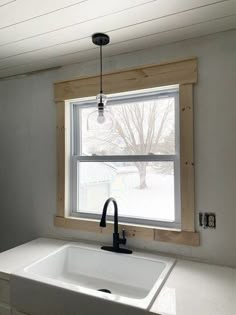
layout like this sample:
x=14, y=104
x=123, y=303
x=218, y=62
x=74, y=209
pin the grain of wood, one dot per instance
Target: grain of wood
x=177, y=72
x=186, y=157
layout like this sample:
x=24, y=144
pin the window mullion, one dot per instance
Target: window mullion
x=127, y=158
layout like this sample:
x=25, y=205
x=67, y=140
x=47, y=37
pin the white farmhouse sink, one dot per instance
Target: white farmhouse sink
x=132, y=279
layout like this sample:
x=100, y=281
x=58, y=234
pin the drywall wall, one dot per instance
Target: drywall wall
x=28, y=147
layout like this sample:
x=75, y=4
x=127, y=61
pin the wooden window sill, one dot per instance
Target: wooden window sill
x=137, y=231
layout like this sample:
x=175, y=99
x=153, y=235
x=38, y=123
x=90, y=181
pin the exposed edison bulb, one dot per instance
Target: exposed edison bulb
x=101, y=118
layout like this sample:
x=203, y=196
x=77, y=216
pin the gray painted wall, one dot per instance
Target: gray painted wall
x=28, y=147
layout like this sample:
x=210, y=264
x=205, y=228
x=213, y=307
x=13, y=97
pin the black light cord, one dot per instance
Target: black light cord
x=101, y=69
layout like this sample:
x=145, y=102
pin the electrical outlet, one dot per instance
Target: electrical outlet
x=207, y=220
x=211, y=220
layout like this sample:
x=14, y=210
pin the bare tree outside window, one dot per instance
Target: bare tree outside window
x=142, y=128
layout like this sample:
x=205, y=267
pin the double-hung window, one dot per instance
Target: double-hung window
x=137, y=163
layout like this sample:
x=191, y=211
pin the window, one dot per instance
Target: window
x=137, y=163
x=125, y=169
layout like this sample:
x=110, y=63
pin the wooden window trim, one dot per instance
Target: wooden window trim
x=182, y=72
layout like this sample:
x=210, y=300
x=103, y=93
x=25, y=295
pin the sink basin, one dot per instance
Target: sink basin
x=129, y=279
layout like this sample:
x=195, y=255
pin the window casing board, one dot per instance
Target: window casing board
x=180, y=72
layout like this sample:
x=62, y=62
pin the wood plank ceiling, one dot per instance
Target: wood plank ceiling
x=36, y=34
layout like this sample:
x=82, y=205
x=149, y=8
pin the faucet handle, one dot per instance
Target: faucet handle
x=123, y=233
x=123, y=239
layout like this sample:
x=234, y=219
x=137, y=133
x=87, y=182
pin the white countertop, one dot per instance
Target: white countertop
x=23, y=255
x=198, y=289
x=191, y=289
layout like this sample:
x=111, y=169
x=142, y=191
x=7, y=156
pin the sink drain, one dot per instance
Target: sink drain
x=105, y=290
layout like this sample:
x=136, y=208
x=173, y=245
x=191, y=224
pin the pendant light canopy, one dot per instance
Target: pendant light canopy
x=102, y=118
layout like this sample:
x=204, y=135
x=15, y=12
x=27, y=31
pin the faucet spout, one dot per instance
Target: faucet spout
x=104, y=213
x=116, y=238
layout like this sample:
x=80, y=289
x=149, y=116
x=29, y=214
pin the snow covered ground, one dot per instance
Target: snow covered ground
x=156, y=202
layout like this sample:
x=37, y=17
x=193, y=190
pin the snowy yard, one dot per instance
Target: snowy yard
x=156, y=202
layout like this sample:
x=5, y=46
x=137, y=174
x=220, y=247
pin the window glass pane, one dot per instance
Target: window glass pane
x=143, y=190
x=143, y=126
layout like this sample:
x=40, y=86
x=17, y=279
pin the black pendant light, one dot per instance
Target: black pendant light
x=102, y=118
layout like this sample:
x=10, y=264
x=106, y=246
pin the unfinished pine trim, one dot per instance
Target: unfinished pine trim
x=147, y=233
x=177, y=72
x=177, y=237
x=186, y=157
x=182, y=72
x=61, y=151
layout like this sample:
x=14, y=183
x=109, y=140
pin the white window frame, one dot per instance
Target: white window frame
x=76, y=158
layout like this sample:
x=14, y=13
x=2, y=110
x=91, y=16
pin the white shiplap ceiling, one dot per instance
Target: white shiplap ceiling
x=36, y=34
